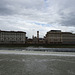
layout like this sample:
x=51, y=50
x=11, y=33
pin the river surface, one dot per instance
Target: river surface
x=39, y=49
x=30, y=62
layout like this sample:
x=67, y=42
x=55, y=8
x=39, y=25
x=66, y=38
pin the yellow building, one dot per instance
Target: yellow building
x=68, y=38
x=58, y=37
x=53, y=37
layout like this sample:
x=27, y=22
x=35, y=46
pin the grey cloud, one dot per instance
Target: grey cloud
x=5, y=11
x=12, y=7
x=61, y=12
x=68, y=21
x=65, y=9
x=5, y=8
x=67, y=17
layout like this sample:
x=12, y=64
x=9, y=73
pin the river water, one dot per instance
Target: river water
x=27, y=61
x=39, y=49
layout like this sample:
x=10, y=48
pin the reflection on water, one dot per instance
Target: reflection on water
x=36, y=65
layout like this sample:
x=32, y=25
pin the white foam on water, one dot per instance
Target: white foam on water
x=37, y=53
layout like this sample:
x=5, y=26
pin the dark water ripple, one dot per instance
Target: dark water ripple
x=36, y=65
x=39, y=49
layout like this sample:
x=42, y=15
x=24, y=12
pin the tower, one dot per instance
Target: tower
x=38, y=34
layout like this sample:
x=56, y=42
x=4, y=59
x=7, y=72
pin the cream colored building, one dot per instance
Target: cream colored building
x=53, y=36
x=57, y=37
x=12, y=37
x=68, y=38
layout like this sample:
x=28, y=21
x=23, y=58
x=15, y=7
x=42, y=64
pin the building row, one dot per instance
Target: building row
x=12, y=37
x=51, y=37
x=58, y=37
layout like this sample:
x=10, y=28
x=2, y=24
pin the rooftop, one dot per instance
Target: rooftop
x=13, y=31
x=55, y=31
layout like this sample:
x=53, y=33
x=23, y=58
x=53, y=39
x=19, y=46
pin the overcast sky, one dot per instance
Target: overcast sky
x=31, y=16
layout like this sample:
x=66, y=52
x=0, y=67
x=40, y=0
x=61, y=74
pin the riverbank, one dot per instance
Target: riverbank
x=40, y=45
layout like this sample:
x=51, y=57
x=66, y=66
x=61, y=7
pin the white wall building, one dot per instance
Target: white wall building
x=12, y=37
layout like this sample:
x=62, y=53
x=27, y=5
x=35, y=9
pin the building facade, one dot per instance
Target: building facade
x=58, y=37
x=12, y=37
x=68, y=38
x=53, y=37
